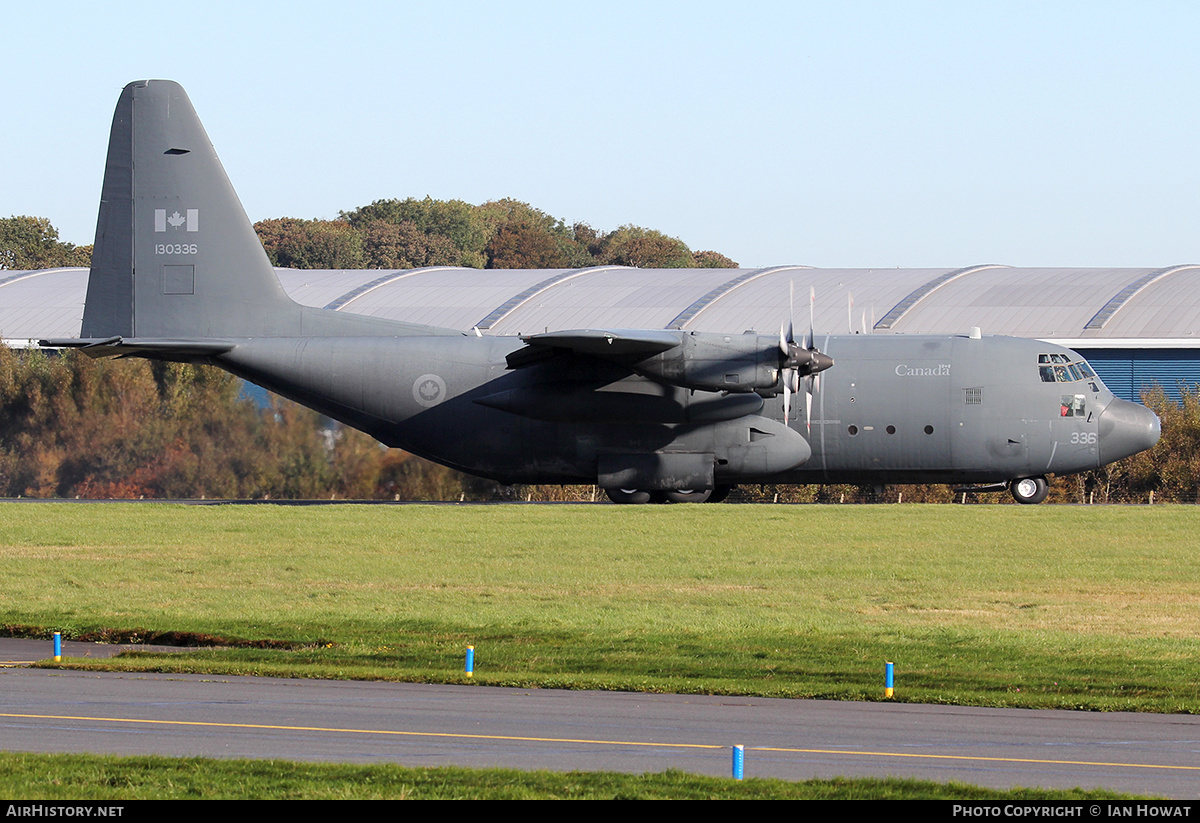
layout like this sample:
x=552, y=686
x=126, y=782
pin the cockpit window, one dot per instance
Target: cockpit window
x=1060, y=368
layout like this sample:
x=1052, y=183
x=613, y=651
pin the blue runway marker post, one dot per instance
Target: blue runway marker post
x=739, y=761
x=470, y=666
x=888, y=681
x=58, y=647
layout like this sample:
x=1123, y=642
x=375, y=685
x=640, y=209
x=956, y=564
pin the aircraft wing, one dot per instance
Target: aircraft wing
x=606, y=344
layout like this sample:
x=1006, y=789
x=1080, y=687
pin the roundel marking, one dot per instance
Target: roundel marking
x=429, y=390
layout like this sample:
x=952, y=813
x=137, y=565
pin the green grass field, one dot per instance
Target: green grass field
x=100, y=778
x=1080, y=607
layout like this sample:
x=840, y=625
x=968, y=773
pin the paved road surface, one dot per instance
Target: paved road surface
x=63, y=711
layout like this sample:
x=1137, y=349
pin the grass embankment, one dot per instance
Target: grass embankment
x=1073, y=607
x=97, y=778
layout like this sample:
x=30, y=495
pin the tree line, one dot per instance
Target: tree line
x=408, y=234
x=501, y=234
x=30, y=243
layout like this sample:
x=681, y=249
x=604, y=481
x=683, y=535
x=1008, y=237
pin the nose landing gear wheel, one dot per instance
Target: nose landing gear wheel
x=1029, y=489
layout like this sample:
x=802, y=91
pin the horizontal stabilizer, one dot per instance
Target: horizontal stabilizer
x=134, y=346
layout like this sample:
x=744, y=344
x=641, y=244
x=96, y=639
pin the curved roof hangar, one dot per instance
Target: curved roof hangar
x=1142, y=307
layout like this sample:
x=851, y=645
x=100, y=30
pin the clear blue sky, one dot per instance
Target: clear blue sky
x=823, y=133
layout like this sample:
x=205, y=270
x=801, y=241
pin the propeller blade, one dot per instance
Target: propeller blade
x=812, y=315
x=791, y=311
x=808, y=410
x=812, y=385
x=787, y=334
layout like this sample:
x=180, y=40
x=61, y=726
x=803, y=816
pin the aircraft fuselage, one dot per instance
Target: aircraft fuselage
x=894, y=409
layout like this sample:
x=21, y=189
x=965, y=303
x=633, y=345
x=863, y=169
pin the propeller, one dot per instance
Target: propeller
x=800, y=360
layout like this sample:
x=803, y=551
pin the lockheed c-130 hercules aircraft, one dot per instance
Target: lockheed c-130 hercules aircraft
x=179, y=274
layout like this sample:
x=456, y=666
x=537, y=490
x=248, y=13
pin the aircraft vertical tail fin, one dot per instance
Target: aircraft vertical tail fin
x=175, y=255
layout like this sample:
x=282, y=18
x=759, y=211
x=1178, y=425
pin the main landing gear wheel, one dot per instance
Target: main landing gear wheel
x=636, y=496
x=688, y=495
x=639, y=496
x=1029, y=489
x=719, y=494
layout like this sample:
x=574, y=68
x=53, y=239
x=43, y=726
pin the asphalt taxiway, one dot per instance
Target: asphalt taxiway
x=51, y=710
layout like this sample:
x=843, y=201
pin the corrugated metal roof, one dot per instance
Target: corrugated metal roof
x=41, y=303
x=1155, y=305
x=1023, y=302
x=1170, y=304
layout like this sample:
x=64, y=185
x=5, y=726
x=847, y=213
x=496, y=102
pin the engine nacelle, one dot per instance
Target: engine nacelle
x=716, y=362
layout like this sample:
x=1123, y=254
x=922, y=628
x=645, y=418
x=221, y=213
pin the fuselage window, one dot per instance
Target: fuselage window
x=1072, y=406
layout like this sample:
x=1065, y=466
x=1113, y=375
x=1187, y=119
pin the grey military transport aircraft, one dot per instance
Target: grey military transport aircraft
x=647, y=414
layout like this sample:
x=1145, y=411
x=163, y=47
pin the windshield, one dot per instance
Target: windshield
x=1062, y=368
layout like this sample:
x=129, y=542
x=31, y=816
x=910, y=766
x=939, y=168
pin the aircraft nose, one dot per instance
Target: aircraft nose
x=1126, y=428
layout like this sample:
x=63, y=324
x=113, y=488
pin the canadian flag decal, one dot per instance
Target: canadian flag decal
x=191, y=219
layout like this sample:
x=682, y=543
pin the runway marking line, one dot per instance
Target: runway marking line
x=709, y=746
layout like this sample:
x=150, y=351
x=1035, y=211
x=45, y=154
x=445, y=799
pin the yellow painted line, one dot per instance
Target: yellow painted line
x=1038, y=761
x=708, y=746
x=366, y=731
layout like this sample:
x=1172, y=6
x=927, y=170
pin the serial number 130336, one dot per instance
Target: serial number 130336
x=175, y=248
